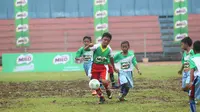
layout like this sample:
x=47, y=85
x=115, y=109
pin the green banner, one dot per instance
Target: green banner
x=21, y=23
x=40, y=62
x=100, y=18
x=180, y=19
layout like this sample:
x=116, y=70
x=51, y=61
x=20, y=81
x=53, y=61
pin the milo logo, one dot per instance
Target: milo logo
x=21, y=15
x=24, y=59
x=21, y=28
x=181, y=36
x=61, y=59
x=101, y=59
x=179, y=0
x=181, y=24
x=180, y=11
x=100, y=2
x=21, y=3
x=22, y=40
x=101, y=14
x=125, y=65
x=101, y=27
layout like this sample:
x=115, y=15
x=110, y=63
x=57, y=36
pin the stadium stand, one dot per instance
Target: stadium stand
x=48, y=35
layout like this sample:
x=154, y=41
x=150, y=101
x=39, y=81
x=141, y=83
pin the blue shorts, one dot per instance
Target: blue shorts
x=88, y=67
x=185, y=79
x=196, y=90
x=126, y=77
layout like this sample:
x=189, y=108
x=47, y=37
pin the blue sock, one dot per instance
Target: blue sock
x=124, y=89
x=192, y=106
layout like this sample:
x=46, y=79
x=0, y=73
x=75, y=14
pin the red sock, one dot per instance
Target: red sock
x=106, y=85
x=99, y=92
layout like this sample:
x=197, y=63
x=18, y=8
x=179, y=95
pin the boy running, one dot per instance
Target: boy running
x=194, y=83
x=186, y=44
x=125, y=62
x=87, y=57
x=101, y=57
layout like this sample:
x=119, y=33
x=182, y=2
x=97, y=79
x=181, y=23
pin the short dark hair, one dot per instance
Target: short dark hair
x=125, y=42
x=187, y=40
x=87, y=37
x=196, y=46
x=107, y=34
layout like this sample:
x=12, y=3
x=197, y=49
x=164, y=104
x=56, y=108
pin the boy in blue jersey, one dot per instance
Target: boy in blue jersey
x=125, y=62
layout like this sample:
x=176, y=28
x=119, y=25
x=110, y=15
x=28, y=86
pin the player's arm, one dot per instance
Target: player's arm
x=88, y=47
x=134, y=61
x=182, y=66
x=79, y=53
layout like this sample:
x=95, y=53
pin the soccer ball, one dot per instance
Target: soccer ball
x=94, y=84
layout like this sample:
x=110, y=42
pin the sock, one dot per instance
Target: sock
x=106, y=85
x=99, y=92
x=192, y=106
x=124, y=89
x=112, y=79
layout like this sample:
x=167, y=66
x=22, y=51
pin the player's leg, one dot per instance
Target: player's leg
x=96, y=75
x=184, y=79
x=124, y=84
x=112, y=79
x=105, y=80
x=194, y=94
x=89, y=74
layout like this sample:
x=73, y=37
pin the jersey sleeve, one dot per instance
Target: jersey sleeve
x=94, y=47
x=79, y=53
x=134, y=60
x=192, y=64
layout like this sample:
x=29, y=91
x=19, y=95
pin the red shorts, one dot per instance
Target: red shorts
x=99, y=71
x=110, y=69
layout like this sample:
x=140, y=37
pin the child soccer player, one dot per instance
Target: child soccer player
x=125, y=61
x=195, y=76
x=87, y=57
x=101, y=57
x=186, y=44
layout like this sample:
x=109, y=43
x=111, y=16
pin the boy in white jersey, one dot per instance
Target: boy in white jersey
x=186, y=44
x=102, y=55
x=87, y=57
x=125, y=62
x=194, y=76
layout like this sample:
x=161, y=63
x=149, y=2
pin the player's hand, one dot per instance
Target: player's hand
x=180, y=72
x=139, y=72
x=91, y=45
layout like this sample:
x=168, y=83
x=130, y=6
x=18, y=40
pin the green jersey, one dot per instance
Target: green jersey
x=101, y=55
x=186, y=57
x=195, y=64
x=125, y=63
x=86, y=54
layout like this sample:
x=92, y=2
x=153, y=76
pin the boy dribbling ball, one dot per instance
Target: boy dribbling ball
x=102, y=55
x=125, y=61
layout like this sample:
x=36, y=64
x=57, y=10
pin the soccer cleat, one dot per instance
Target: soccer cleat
x=101, y=100
x=121, y=98
x=109, y=94
x=94, y=92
